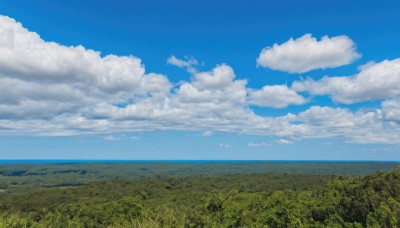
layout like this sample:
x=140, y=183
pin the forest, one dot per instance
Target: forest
x=22, y=178
x=290, y=195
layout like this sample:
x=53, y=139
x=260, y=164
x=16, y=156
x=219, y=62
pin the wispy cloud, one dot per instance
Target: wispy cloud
x=262, y=144
x=207, y=133
x=189, y=63
x=224, y=145
x=284, y=141
x=112, y=138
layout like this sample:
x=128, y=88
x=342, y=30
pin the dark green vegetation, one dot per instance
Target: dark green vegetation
x=196, y=200
x=18, y=179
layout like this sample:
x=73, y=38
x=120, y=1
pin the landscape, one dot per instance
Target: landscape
x=201, y=194
x=211, y=113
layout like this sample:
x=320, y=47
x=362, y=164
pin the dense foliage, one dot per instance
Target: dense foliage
x=240, y=200
x=22, y=178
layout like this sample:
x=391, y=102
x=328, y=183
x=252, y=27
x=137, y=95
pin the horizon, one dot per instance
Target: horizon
x=200, y=81
x=94, y=161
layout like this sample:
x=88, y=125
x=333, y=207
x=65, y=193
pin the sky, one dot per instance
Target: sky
x=200, y=80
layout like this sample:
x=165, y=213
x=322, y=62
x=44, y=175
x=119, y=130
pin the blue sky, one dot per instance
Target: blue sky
x=258, y=80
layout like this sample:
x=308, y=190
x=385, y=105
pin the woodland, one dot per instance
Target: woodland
x=201, y=195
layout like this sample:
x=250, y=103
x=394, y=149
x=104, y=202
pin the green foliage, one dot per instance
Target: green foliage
x=19, y=179
x=240, y=200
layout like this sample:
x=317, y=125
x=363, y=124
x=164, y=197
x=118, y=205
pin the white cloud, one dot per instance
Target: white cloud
x=375, y=81
x=284, y=141
x=327, y=117
x=391, y=110
x=60, y=90
x=112, y=138
x=120, y=138
x=49, y=62
x=224, y=145
x=189, y=63
x=263, y=144
x=221, y=77
x=217, y=87
x=207, y=133
x=276, y=96
x=45, y=78
x=307, y=53
x=358, y=127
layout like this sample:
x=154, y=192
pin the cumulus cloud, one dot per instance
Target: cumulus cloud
x=375, y=81
x=50, y=89
x=391, y=110
x=27, y=57
x=202, y=104
x=276, y=96
x=189, y=63
x=357, y=127
x=45, y=78
x=215, y=88
x=307, y=53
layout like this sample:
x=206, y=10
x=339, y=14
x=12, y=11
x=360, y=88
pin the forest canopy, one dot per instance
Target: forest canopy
x=235, y=200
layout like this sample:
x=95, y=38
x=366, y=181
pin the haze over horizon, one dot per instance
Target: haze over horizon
x=206, y=80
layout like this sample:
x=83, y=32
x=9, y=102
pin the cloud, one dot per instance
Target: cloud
x=263, y=144
x=189, y=63
x=375, y=81
x=224, y=145
x=112, y=138
x=42, y=79
x=307, y=53
x=276, y=96
x=201, y=104
x=51, y=63
x=358, y=127
x=215, y=88
x=391, y=110
x=284, y=141
x=67, y=90
x=207, y=133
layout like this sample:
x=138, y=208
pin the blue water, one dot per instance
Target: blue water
x=174, y=161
